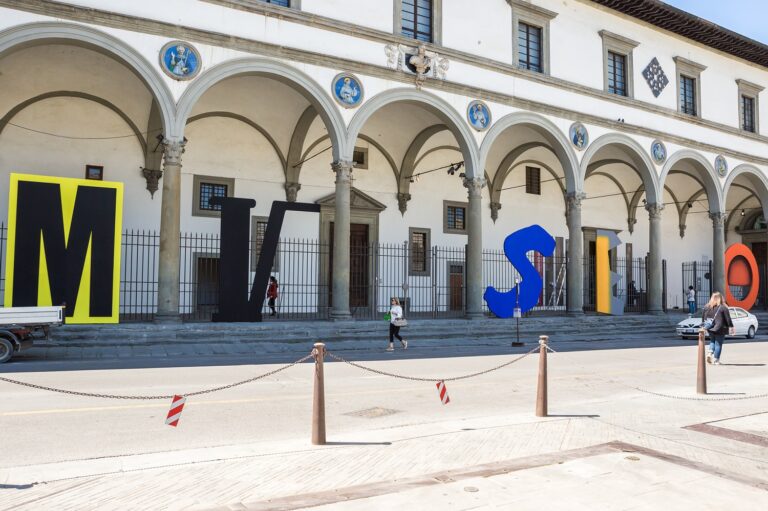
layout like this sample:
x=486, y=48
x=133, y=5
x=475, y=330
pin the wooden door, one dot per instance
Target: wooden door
x=359, y=265
x=456, y=286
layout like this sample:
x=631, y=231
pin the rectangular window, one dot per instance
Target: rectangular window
x=455, y=218
x=416, y=19
x=283, y=3
x=617, y=74
x=529, y=47
x=748, y=113
x=419, y=253
x=687, y=95
x=533, y=180
x=209, y=191
x=258, y=230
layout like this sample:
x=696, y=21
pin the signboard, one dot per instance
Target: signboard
x=64, y=246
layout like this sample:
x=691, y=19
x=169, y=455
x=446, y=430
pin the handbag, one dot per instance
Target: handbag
x=710, y=322
x=400, y=322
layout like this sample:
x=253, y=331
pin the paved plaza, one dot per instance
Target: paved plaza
x=391, y=443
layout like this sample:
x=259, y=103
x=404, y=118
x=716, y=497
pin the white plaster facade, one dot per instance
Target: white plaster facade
x=263, y=67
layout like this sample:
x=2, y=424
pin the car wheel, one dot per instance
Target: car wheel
x=751, y=333
x=6, y=350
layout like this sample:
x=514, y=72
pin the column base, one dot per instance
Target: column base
x=656, y=312
x=575, y=312
x=164, y=318
x=474, y=315
x=337, y=315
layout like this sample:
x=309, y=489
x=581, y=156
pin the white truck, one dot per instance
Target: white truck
x=19, y=326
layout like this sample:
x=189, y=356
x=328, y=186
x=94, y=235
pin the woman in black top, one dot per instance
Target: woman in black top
x=719, y=326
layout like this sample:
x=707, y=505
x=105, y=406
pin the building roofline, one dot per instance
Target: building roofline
x=685, y=24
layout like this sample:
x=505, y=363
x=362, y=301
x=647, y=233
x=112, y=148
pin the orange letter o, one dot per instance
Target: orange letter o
x=743, y=275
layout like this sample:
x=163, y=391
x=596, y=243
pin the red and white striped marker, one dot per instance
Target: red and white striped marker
x=443, y=392
x=174, y=414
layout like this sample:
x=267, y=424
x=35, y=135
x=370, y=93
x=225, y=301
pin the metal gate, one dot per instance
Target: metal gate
x=699, y=275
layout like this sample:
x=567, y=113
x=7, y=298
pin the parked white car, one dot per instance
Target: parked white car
x=744, y=322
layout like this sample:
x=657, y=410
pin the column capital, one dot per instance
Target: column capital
x=573, y=200
x=654, y=211
x=292, y=191
x=343, y=170
x=718, y=219
x=474, y=185
x=173, y=151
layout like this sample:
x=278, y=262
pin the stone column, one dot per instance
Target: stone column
x=170, y=228
x=575, y=269
x=341, y=221
x=718, y=252
x=474, y=270
x=655, y=272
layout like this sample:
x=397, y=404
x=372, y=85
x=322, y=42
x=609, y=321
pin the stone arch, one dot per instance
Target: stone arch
x=276, y=70
x=433, y=103
x=370, y=140
x=757, y=180
x=32, y=34
x=547, y=129
x=245, y=120
x=6, y=119
x=640, y=162
x=509, y=162
x=706, y=175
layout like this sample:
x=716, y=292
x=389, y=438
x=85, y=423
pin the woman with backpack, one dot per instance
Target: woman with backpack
x=716, y=319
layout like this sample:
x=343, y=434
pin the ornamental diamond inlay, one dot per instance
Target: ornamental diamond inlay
x=655, y=77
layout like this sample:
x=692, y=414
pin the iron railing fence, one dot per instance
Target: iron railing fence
x=699, y=275
x=430, y=283
x=632, y=286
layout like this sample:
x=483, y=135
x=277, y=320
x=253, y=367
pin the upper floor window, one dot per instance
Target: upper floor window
x=617, y=74
x=688, y=95
x=416, y=19
x=689, y=86
x=529, y=47
x=530, y=34
x=617, y=63
x=749, y=94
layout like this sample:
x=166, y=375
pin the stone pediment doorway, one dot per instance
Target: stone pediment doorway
x=364, y=239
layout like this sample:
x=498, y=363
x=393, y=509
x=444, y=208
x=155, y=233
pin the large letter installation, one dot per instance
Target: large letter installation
x=64, y=246
x=516, y=246
x=741, y=270
x=235, y=218
x=605, y=279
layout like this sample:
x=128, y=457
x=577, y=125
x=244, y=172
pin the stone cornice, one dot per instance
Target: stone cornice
x=149, y=26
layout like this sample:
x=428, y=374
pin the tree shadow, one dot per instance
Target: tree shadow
x=744, y=365
x=16, y=486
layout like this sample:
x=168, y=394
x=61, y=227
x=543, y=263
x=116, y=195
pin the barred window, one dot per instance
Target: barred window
x=748, y=113
x=258, y=231
x=419, y=264
x=416, y=19
x=283, y=3
x=688, y=95
x=617, y=73
x=207, y=192
x=529, y=47
x=533, y=180
x=456, y=218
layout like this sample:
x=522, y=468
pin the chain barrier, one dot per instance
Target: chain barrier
x=693, y=398
x=431, y=380
x=147, y=398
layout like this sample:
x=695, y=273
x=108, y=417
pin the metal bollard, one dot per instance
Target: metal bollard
x=701, y=372
x=318, y=400
x=541, y=391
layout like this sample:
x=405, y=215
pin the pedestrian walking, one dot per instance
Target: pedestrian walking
x=396, y=321
x=272, y=294
x=691, y=301
x=716, y=319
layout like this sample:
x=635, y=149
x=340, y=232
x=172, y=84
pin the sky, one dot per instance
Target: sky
x=747, y=17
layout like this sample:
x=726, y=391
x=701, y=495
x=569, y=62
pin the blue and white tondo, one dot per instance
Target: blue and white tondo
x=579, y=136
x=658, y=152
x=347, y=90
x=180, y=60
x=479, y=115
x=721, y=165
